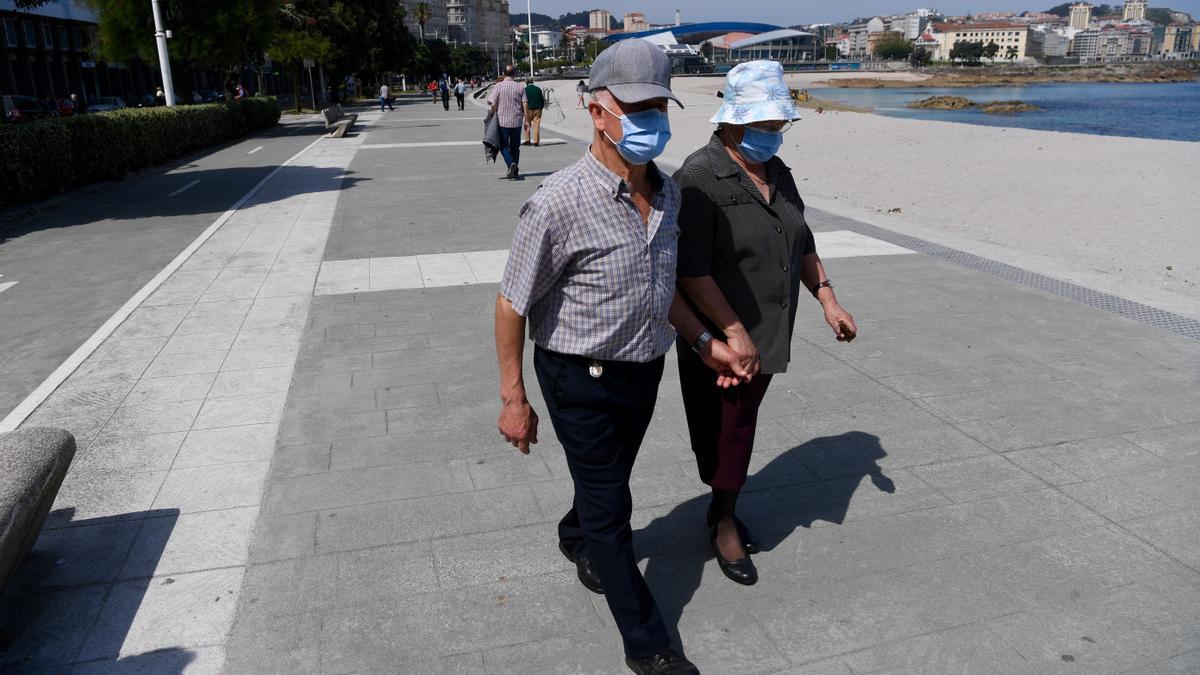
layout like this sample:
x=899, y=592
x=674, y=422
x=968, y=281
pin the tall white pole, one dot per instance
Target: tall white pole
x=529, y=12
x=164, y=61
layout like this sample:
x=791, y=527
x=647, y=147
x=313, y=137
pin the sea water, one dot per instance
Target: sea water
x=1151, y=110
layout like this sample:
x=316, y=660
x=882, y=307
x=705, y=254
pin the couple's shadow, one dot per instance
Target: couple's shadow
x=810, y=482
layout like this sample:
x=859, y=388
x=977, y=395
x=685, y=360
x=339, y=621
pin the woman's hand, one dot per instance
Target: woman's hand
x=841, y=322
x=718, y=356
x=741, y=344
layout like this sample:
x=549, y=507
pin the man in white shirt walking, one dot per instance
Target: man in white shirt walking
x=385, y=97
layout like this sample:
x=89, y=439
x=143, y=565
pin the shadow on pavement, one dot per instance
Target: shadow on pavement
x=146, y=197
x=676, y=545
x=75, y=597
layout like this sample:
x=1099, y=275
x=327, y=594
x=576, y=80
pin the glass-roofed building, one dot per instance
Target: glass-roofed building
x=784, y=45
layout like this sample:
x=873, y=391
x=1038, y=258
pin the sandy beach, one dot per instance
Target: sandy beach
x=1112, y=213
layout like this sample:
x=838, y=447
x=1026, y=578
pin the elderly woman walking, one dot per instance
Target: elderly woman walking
x=744, y=253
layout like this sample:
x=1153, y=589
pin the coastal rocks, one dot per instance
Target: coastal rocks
x=943, y=103
x=963, y=103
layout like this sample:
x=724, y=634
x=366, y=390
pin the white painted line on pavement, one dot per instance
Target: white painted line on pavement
x=487, y=267
x=441, y=119
x=7, y=285
x=60, y=374
x=185, y=187
x=430, y=144
x=255, y=150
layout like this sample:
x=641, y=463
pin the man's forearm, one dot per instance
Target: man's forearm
x=684, y=320
x=510, y=351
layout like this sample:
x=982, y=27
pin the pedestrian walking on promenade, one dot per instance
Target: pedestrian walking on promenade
x=160, y=98
x=580, y=90
x=592, y=271
x=385, y=97
x=535, y=101
x=507, y=101
x=744, y=253
x=460, y=93
x=444, y=90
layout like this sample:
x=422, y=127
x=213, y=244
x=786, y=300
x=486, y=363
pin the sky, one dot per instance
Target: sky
x=791, y=12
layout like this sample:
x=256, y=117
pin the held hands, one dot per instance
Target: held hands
x=841, y=322
x=728, y=364
x=518, y=423
x=739, y=341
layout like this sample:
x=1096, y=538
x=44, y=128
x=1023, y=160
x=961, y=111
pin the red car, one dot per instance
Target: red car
x=66, y=107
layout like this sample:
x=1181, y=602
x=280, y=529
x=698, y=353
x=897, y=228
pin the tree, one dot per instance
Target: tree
x=1011, y=53
x=366, y=37
x=991, y=50
x=920, y=57
x=291, y=47
x=831, y=53
x=893, y=48
x=222, y=34
x=422, y=15
x=970, y=52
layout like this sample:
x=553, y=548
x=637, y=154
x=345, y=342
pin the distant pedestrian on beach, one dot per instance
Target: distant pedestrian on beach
x=535, y=101
x=745, y=251
x=591, y=273
x=444, y=90
x=507, y=101
x=460, y=93
x=385, y=97
x=580, y=90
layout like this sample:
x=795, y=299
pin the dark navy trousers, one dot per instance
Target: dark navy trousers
x=600, y=422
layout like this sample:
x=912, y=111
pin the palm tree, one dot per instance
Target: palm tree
x=422, y=14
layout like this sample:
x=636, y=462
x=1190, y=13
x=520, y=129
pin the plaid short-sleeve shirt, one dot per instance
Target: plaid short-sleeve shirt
x=589, y=275
x=509, y=97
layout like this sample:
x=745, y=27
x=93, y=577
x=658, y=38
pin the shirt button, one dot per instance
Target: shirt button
x=779, y=230
x=785, y=268
x=783, y=305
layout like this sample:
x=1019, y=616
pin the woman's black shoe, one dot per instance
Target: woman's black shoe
x=666, y=662
x=741, y=570
x=748, y=541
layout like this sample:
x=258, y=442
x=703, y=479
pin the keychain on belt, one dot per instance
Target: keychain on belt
x=595, y=368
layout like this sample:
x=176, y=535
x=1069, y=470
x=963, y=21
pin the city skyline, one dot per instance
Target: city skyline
x=768, y=11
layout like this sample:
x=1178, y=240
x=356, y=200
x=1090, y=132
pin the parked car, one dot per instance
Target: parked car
x=143, y=101
x=22, y=109
x=103, y=103
x=66, y=107
x=207, y=96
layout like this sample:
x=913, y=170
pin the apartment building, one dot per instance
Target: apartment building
x=1012, y=39
x=478, y=22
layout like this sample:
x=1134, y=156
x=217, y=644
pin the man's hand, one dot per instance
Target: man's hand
x=741, y=344
x=730, y=372
x=518, y=424
x=841, y=322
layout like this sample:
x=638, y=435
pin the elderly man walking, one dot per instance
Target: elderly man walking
x=592, y=272
x=507, y=101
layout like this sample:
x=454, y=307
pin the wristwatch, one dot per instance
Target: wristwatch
x=818, y=287
x=704, y=338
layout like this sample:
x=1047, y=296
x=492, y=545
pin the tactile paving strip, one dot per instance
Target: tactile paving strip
x=1135, y=311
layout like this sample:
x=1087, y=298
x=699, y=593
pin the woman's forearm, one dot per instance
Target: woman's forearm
x=708, y=298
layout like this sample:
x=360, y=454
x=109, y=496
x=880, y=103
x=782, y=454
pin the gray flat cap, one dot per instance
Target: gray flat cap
x=634, y=70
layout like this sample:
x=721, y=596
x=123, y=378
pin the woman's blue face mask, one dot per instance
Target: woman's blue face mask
x=759, y=146
x=644, y=134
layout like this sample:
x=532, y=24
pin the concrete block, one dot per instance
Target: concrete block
x=280, y=537
x=152, y=389
x=240, y=410
x=225, y=445
x=51, y=629
x=224, y=316
x=308, y=584
x=489, y=557
x=199, y=342
x=977, y=478
x=74, y=556
x=299, y=460
x=1086, y=459
x=275, y=644
x=362, y=486
x=372, y=575
x=250, y=358
x=154, y=452
x=144, y=615
x=101, y=495
x=235, y=283
x=154, y=418
x=1177, y=533
x=246, y=382
x=147, y=322
x=1138, y=495
x=206, y=488
x=191, y=543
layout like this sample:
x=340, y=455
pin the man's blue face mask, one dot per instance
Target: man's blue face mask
x=645, y=134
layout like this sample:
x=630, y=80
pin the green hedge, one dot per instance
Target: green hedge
x=43, y=158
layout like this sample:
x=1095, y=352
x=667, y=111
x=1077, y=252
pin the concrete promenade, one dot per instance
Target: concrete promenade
x=288, y=462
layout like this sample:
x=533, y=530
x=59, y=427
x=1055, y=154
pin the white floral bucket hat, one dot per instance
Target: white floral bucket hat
x=755, y=92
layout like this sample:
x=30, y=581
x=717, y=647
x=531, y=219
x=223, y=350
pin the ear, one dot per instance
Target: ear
x=599, y=119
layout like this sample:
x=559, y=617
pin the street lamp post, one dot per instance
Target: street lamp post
x=529, y=13
x=164, y=61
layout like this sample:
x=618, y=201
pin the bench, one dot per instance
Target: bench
x=33, y=463
x=337, y=121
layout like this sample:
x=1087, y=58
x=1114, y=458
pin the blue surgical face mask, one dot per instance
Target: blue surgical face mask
x=758, y=146
x=644, y=135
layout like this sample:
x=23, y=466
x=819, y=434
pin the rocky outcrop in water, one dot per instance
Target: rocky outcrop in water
x=963, y=103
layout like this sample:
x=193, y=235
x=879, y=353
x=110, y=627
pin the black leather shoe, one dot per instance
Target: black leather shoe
x=741, y=570
x=666, y=662
x=583, y=566
x=748, y=541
